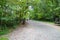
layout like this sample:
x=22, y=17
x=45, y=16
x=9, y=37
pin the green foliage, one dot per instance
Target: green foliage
x=3, y=30
x=46, y=9
x=3, y=38
x=11, y=13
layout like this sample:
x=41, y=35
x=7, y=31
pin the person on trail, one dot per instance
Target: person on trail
x=23, y=19
x=26, y=17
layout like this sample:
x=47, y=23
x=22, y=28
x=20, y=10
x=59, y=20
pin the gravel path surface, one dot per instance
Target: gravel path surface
x=35, y=31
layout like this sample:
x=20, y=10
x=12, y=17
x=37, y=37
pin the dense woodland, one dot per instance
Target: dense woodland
x=12, y=12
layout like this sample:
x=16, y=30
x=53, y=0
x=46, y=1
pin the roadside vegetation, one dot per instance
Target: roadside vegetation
x=3, y=38
x=13, y=12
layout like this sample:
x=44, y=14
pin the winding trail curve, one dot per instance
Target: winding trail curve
x=35, y=31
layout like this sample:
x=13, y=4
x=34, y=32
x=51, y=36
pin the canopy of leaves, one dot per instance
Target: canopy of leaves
x=46, y=9
x=12, y=11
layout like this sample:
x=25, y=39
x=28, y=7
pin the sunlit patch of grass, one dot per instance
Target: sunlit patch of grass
x=3, y=38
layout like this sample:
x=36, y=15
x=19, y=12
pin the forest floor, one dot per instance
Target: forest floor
x=36, y=30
